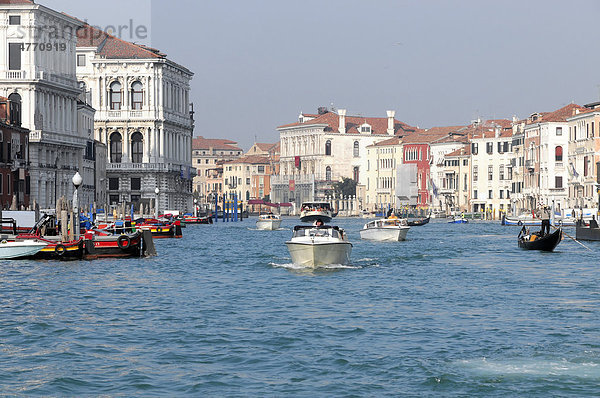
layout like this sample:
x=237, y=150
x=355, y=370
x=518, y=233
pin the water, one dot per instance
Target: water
x=457, y=310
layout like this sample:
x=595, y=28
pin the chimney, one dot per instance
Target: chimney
x=515, y=119
x=576, y=111
x=390, y=116
x=342, y=126
x=497, y=132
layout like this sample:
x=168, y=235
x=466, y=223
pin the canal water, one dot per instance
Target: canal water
x=456, y=310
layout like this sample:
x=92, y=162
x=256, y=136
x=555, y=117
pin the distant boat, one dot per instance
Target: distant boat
x=313, y=211
x=20, y=248
x=458, y=220
x=530, y=221
x=418, y=223
x=387, y=229
x=589, y=231
x=268, y=222
x=312, y=246
x=535, y=242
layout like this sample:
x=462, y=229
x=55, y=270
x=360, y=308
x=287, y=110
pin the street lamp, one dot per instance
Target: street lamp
x=77, y=181
x=156, y=191
x=195, y=207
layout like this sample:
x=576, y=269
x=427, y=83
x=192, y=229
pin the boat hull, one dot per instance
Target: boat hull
x=318, y=254
x=535, y=222
x=384, y=234
x=14, y=249
x=268, y=225
x=458, y=222
x=587, y=233
x=547, y=243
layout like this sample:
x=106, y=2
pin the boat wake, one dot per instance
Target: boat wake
x=529, y=367
x=293, y=266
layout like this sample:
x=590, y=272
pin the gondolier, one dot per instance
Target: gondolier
x=544, y=214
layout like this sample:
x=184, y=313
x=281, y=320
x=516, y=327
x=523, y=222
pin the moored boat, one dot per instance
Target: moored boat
x=534, y=241
x=20, y=248
x=268, y=222
x=101, y=244
x=160, y=228
x=313, y=211
x=387, y=229
x=313, y=246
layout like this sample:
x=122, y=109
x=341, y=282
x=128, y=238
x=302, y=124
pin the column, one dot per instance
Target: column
x=125, y=146
x=162, y=143
x=152, y=143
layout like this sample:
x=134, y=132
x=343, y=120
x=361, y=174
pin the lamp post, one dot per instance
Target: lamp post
x=156, y=191
x=77, y=180
x=195, y=207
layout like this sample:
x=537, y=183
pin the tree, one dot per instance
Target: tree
x=346, y=187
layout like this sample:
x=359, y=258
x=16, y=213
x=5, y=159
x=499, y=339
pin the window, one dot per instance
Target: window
x=475, y=194
x=247, y=195
x=593, y=123
x=489, y=148
x=115, y=96
x=465, y=185
x=261, y=169
x=115, y=148
x=355, y=174
x=328, y=173
x=113, y=184
x=1, y=179
x=80, y=60
x=490, y=172
x=136, y=183
x=490, y=194
x=137, y=147
x=365, y=128
x=558, y=182
x=328, y=147
x=500, y=147
x=14, y=20
x=501, y=172
x=559, y=131
x=15, y=110
x=356, y=149
x=137, y=95
x=114, y=199
x=509, y=172
x=558, y=154
x=14, y=56
x=474, y=148
x=475, y=173
x=586, y=162
x=247, y=180
x=135, y=198
x=501, y=194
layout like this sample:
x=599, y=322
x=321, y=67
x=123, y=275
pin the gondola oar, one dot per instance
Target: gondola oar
x=575, y=240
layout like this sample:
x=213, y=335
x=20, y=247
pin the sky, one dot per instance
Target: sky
x=258, y=64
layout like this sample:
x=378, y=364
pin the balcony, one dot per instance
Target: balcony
x=154, y=167
x=530, y=165
x=384, y=190
x=14, y=74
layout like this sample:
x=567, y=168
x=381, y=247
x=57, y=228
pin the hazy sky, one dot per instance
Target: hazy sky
x=257, y=64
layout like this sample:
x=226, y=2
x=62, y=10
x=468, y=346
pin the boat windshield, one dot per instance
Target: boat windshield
x=317, y=232
x=317, y=206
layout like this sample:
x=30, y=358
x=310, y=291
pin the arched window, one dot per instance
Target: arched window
x=115, y=96
x=355, y=173
x=558, y=154
x=137, y=95
x=116, y=148
x=356, y=149
x=247, y=195
x=15, y=109
x=328, y=173
x=328, y=147
x=137, y=147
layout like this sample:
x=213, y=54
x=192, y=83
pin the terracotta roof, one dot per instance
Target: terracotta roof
x=264, y=146
x=8, y=2
x=111, y=47
x=378, y=124
x=425, y=136
x=491, y=134
x=503, y=123
x=252, y=159
x=466, y=150
x=215, y=143
x=561, y=115
x=388, y=142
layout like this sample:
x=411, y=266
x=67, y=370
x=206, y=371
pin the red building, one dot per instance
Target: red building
x=14, y=157
x=417, y=152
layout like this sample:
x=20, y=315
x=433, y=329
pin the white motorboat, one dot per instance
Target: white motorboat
x=268, y=222
x=386, y=229
x=312, y=246
x=20, y=248
x=313, y=211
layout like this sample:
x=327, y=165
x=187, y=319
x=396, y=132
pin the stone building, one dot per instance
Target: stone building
x=143, y=116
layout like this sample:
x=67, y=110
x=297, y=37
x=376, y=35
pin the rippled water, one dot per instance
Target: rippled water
x=454, y=310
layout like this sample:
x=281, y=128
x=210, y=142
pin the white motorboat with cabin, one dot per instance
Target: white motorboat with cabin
x=385, y=229
x=312, y=246
x=268, y=222
x=12, y=249
x=313, y=211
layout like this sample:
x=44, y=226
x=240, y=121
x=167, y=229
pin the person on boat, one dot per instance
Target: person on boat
x=319, y=223
x=544, y=215
x=593, y=222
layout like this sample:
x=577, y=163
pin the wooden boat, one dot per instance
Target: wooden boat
x=418, y=223
x=536, y=242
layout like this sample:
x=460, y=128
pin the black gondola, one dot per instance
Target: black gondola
x=418, y=223
x=535, y=242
